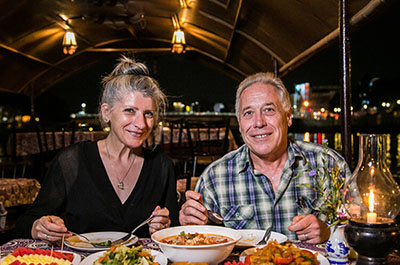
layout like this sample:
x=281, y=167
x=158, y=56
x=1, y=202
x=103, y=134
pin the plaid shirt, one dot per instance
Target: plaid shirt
x=245, y=197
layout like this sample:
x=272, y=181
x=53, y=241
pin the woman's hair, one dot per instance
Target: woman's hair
x=268, y=79
x=129, y=76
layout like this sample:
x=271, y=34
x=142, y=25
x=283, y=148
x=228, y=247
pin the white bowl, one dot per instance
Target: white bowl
x=212, y=254
x=251, y=237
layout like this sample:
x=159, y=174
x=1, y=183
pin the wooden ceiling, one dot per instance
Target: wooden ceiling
x=240, y=36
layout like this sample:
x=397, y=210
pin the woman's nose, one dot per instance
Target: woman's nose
x=140, y=122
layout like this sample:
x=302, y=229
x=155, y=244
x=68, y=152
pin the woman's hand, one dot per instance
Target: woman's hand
x=50, y=228
x=160, y=221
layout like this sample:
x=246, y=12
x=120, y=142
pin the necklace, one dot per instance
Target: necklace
x=120, y=184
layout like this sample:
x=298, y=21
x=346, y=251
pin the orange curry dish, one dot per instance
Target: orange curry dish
x=275, y=253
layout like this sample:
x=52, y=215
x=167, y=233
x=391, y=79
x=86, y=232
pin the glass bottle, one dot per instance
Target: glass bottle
x=372, y=195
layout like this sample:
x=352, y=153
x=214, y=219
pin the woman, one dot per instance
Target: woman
x=112, y=184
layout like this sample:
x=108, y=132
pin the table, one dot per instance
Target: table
x=18, y=191
x=147, y=243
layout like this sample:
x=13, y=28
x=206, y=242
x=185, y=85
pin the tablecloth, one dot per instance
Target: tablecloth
x=147, y=243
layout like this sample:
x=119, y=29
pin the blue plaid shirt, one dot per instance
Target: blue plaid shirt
x=245, y=197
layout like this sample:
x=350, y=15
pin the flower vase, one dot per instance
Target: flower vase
x=336, y=247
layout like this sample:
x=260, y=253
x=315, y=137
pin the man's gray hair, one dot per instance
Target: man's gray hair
x=268, y=79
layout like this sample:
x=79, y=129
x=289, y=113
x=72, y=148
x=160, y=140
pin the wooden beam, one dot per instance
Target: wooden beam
x=33, y=58
x=233, y=30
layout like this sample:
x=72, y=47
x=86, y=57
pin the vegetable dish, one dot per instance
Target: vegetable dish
x=195, y=239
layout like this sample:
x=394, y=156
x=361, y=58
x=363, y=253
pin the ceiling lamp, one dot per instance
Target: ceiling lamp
x=178, y=38
x=69, y=43
x=178, y=41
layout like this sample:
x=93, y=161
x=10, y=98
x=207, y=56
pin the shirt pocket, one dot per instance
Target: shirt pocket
x=238, y=216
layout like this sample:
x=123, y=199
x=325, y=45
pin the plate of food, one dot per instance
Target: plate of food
x=79, y=243
x=36, y=256
x=250, y=237
x=126, y=255
x=277, y=253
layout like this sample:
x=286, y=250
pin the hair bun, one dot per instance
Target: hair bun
x=128, y=66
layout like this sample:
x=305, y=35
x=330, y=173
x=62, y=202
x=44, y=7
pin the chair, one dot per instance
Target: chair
x=208, y=140
x=11, y=166
x=48, y=144
x=174, y=143
x=7, y=141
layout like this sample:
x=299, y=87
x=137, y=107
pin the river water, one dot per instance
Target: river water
x=335, y=142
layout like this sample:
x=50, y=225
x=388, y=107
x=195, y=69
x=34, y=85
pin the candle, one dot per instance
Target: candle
x=371, y=216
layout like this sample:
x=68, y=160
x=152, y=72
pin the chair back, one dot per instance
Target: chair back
x=7, y=141
x=209, y=137
x=174, y=139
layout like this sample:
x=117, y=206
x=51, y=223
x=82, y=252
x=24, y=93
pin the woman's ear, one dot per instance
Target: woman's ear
x=105, y=112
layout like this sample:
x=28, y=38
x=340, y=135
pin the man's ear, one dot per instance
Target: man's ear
x=289, y=117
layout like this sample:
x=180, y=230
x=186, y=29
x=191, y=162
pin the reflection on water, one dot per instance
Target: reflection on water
x=335, y=142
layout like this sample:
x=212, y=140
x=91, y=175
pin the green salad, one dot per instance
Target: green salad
x=123, y=255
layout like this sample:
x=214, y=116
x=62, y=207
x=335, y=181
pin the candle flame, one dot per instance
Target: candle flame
x=372, y=171
x=371, y=200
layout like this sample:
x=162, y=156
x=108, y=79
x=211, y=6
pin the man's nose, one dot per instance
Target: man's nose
x=259, y=120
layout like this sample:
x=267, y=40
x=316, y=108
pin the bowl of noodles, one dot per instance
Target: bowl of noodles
x=196, y=243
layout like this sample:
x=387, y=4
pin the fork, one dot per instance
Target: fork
x=266, y=236
x=127, y=236
x=87, y=239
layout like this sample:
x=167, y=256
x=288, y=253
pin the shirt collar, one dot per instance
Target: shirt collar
x=294, y=154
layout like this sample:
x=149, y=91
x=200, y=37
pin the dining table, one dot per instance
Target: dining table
x=147, y=243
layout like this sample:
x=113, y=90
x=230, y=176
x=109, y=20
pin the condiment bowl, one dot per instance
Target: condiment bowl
x=212, y=254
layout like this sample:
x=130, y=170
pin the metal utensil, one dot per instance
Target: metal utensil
x=87, y=239
x=215, y=217
x=266, y=236
x=124, y=238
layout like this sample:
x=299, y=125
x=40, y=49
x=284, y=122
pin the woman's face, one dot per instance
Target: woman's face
x=131, y=119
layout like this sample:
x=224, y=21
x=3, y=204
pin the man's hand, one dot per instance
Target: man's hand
x=50, y=228
x=309, y=229
x=193, y=211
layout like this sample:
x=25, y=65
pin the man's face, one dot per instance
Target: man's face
x=263, y=122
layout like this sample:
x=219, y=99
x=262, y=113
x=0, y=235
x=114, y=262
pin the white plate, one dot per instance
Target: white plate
x=158, y=257
x=75, y=261
x=250, y=237
x=100, y=237
x=321, y=258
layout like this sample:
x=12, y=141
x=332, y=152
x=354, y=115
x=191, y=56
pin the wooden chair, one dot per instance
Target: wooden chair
x=208, y=141
x=174, y=143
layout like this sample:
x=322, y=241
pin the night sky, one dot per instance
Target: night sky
x=374, y=55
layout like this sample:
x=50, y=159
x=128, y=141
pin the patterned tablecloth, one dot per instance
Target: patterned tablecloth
x=147, y=243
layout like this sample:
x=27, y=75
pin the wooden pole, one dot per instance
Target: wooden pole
x=276, y=67
x=345, y=95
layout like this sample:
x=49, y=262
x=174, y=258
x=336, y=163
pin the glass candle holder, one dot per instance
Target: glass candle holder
x=372, y=199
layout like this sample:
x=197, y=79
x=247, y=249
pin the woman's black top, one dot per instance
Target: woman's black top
x=77, y=188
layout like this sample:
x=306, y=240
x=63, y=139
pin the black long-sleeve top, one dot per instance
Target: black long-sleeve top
x=77, y=188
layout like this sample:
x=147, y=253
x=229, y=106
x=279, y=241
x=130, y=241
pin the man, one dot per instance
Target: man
x=258, y=185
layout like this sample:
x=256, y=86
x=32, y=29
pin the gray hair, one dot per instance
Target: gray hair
x=129, y=76
x=268, y=79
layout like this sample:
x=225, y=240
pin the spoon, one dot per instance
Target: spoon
x=215, y=217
